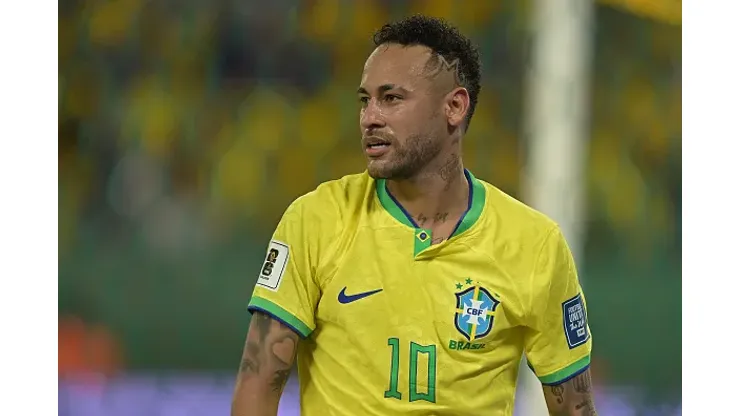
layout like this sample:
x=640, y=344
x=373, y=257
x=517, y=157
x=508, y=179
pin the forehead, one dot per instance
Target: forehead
x=396, y=64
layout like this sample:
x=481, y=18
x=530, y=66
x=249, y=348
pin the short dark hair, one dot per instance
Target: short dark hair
x=445, y=41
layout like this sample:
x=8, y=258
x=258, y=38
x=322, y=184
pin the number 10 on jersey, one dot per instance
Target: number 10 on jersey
x=415, y=352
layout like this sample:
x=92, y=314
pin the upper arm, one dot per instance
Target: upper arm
x=286, y=287
x=558, y=339
x=269, y=351
x=267, y=359
x=572, y=397
x=282, y=306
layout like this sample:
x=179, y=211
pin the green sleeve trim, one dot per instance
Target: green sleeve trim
x=567, y=373
x=276, y=311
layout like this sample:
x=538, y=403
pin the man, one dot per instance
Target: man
x=413, y=288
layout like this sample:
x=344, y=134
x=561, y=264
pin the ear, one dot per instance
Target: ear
x=457, y=103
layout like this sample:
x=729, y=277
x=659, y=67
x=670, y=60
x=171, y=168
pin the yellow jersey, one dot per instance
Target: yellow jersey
x=392, y=324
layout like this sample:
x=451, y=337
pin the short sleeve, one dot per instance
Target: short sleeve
x=558, y=340
x=286, y=287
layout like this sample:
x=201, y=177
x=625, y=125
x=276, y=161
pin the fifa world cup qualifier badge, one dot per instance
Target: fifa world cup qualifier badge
x=273, y=268
x=574, y=321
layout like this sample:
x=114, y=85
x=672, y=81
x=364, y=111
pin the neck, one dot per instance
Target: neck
x=441, y=188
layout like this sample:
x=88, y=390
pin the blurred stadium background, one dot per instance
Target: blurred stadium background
x=186, y=128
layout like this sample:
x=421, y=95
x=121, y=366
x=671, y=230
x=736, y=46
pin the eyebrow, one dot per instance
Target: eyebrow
x=381, y=89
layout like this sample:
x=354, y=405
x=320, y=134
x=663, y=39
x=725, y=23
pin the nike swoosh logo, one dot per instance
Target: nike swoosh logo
x=344, y=298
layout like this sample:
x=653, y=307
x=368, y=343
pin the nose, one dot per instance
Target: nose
x=371, y=117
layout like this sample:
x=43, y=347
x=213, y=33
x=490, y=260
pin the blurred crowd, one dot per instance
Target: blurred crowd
x=189, y=116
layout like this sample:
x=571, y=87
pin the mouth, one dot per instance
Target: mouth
x=372, y=142
x=375, y=146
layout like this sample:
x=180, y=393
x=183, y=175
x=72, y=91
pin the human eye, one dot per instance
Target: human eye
x=391, y=98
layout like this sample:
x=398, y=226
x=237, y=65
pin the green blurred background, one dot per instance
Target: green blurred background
x=187, y=127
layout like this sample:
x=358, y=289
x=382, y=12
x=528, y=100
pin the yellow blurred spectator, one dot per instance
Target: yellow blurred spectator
x=296, y=170
x=266, y=117
x=319, y=19
x=437, y=8
x=626, y=199
x=506, y=165
x=111, y=21
x=82, y=92
x=668, y=11
x=473, y=15
x=346, y=162
x=349, y=59
x=152, y=115
x=364, y=18
x=319, y=120
x=75, y=172
x=239, y=177
x=640, y=105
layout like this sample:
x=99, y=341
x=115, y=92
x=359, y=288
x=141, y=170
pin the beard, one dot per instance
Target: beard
x=407, y=160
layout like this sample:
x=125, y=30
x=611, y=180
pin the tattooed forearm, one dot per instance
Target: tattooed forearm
x=582, y=383
x=250, y=360
x=268, y=357
x=269, y=350
x=279, y=380
x=249, y=365
x=586, y=407
x=572, y=398
x=558, y=392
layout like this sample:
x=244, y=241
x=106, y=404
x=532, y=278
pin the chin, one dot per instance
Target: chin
x=387, y=171
x=379, y=170
x=377, y=173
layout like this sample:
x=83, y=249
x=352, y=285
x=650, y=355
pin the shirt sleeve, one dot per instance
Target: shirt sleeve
x=558, y=339
x=286, y=287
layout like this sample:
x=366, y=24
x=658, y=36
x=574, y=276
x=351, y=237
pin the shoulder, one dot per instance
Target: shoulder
x=318, y=220
x=332, y=203
x=335, y=196
x=515, y=221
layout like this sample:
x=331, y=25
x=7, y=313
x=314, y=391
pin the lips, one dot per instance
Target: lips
x=373, y=141
x=375, y=146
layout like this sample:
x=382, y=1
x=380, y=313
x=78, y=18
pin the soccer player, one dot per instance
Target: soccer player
x=414, y=287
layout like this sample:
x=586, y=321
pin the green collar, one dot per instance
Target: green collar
x=476, y=200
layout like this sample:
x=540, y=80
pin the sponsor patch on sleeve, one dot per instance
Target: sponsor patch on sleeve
x=273, y=268
x=574, y=321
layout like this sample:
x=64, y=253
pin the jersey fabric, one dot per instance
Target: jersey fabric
x=395, y=325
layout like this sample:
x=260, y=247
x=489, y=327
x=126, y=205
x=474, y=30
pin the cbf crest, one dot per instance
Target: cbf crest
x=474, y=311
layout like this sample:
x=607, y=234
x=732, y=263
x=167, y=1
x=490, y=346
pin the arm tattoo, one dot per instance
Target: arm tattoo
x=249, y=364
x=586, y=407
x=582, y=383
x=278, y=382
x=558, y=392
x=269, y=352
x=582, y=386
x=574, y=397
